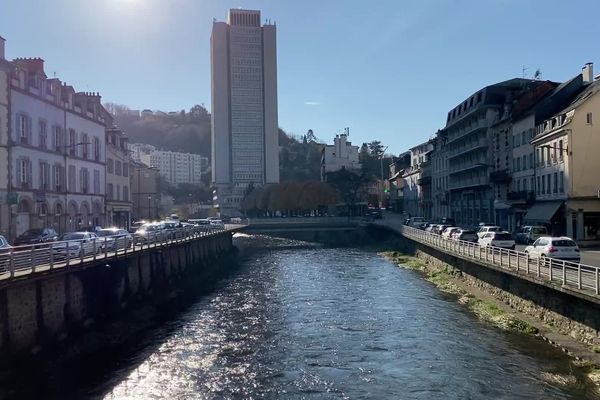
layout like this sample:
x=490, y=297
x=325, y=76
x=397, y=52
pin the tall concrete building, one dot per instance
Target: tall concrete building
x=245, y=146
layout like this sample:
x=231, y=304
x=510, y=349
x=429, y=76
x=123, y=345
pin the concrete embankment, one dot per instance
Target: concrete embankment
x=77, y=311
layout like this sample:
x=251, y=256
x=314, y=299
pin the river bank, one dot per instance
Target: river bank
x=585, y=359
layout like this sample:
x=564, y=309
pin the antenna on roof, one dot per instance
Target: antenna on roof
x=523, y=70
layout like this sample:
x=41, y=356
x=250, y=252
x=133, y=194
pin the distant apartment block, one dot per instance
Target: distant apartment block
x=174, y=166
x=339, y=155
x=244, y=122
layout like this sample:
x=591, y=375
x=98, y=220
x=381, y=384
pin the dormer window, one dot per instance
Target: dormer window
x=34, y=80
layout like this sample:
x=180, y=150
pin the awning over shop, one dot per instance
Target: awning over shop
x=542, y=211
x=592, y=205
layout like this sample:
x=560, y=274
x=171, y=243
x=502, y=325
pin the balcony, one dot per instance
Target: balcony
x=500, y=177
x=525, y=196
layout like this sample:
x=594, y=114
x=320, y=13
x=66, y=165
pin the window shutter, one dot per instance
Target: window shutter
x=28, y=132
x=19, y=166
x=18, y=131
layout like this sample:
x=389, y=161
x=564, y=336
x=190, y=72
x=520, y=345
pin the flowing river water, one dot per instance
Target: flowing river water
x=315, y=323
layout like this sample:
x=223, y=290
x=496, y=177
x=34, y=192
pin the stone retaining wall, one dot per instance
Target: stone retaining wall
x=49, y=311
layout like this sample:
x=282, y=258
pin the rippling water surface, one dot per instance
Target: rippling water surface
x=332, y=324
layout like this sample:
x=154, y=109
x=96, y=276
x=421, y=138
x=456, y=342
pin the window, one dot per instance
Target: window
x=57, y=137
x=555, y=182
x=43, y=135
x=72, y=141
x=543, y=185
x=23, y=128
x=84, y=178
x=588, y=118
x=531, y=164
x=532, y=184
x=524, y=161
x=479, y=97
x=518, y=163
x=57, y=177
x=554, y=153
x=518, y=185
x=110, y=165
x=125, y=193
x=548, y=161
x=549, y=187
x=24, y=172
x=72, y=179
x=561, y=182
x=84, y=146
x=125, y=169
x=560, y=150
x=109, y=191
x=44, y=175
x=530, y=133
x=118, y=192
x=525, y=184
x=96, y=149
x=538, y=186
x=118, y=170
x=96, y=181
x=523, y=138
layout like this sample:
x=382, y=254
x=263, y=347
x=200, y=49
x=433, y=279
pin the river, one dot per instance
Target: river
x=315, y=323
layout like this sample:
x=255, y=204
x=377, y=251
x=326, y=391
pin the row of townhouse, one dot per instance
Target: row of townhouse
x=54, y=150
x=514, y=153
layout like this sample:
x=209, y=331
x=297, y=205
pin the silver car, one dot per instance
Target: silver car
x=561, y=248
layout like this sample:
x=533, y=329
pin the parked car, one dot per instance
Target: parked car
x=439, y=229
x=530, y=234
x=36, y=236
x=4, y=253
x=497, y=239
x=149, y=233
x=77, y=244
x=485, y=229
x=447, y=233
x=136, y=225
x=561, y=248
x=415, y=222
x=216, y=224
x=115, y=238
x=448, y=221
x=374, y=213
x=467, y=235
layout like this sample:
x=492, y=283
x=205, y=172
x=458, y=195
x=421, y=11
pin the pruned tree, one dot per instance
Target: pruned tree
x=350, y=186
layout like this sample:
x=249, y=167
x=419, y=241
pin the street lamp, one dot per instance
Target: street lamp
x=149, y=209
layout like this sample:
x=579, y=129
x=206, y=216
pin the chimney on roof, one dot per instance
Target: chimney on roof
x=2, y=41
x=587, y=73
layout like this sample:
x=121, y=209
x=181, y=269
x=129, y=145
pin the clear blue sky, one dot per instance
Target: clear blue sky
x=388, y=69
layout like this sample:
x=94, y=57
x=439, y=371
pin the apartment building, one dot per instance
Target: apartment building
x=245, y=147
x=342, y=154
x=566, y=144
x=56, y=170
x=440, y=206
x=118, y=181
x=5, y=70
x=176, y=167
x=396, y=182
x=144, y=192
x=416, y=196
x=467, y=139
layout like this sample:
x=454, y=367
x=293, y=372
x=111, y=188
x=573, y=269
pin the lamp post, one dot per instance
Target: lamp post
x=149, y=208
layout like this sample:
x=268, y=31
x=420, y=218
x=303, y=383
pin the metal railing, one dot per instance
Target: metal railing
x=582, y=277
x=300, y=220
x=19, y=261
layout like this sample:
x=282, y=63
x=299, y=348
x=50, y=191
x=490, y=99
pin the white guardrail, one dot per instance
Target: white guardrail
x=575, y=275
x=19, y=261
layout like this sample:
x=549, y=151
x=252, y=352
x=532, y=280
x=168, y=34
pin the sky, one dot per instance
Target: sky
x=390, y=70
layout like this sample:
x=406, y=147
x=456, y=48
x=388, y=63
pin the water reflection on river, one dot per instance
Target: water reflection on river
x=332, y=323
